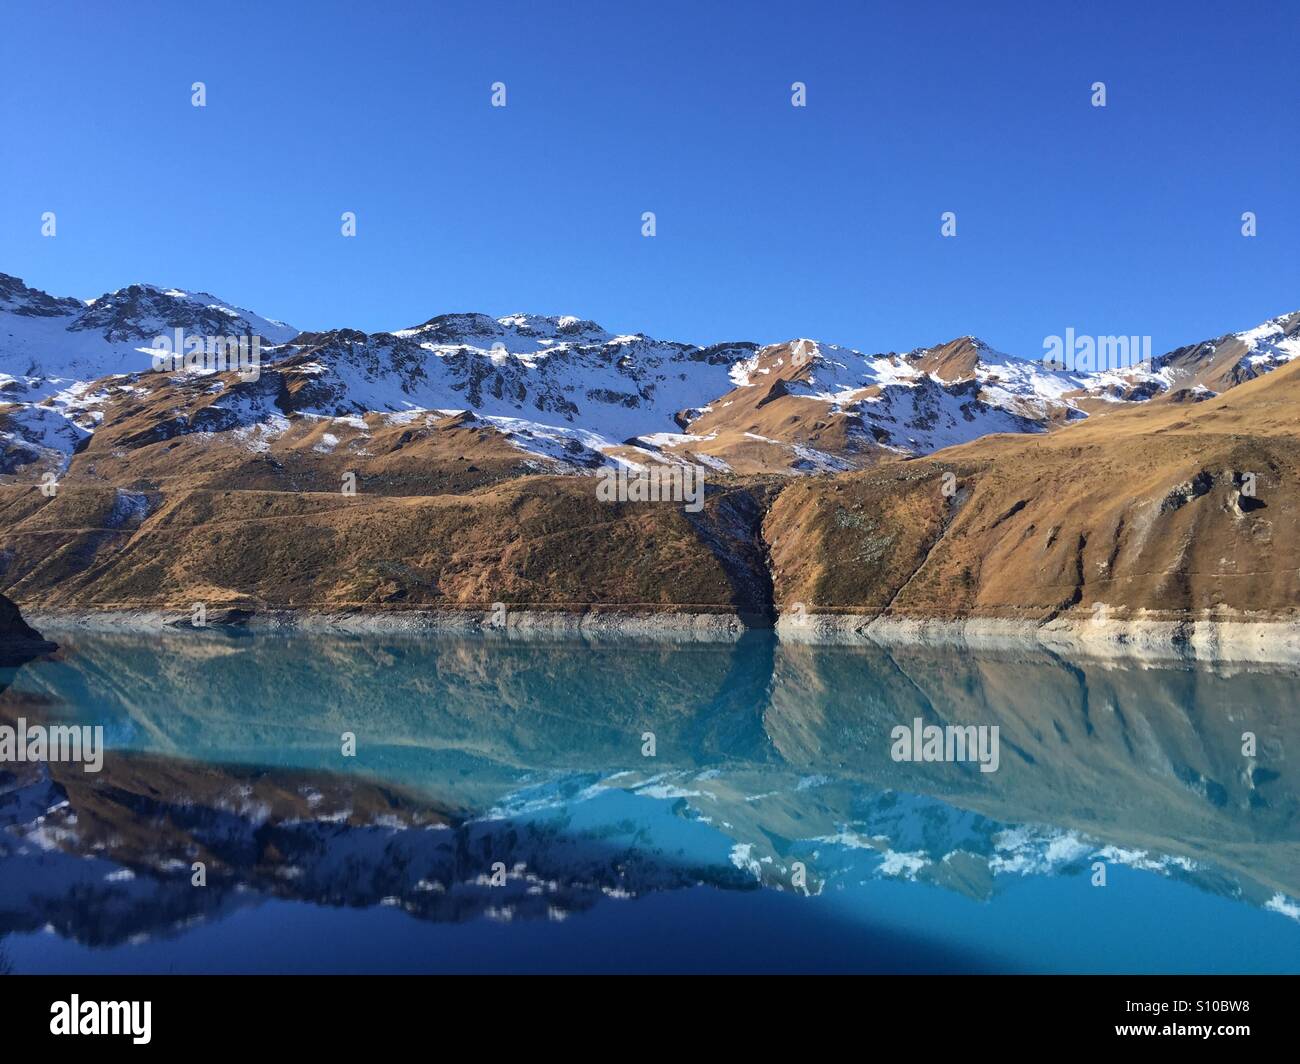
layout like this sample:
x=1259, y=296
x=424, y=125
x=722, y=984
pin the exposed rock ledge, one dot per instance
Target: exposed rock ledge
x=1208, y=640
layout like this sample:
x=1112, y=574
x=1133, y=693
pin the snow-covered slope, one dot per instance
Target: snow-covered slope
x=554, y=371
x=66, y=340
x=52, y=349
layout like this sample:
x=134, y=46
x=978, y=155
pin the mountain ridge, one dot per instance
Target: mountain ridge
x=570, y=394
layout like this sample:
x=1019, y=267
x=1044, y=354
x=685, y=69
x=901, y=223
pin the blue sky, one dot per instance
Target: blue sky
x=773, y=221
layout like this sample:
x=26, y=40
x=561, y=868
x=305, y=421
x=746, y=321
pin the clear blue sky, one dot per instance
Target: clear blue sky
x=773, y=221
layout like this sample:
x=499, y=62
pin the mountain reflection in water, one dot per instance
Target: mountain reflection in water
x=500, y=782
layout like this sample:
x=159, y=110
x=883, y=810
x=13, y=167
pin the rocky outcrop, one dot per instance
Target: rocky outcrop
x=19, y=641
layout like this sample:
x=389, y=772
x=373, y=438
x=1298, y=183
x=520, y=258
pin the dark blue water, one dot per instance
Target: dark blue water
x=501, y=812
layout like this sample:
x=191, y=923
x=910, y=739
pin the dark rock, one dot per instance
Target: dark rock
x=19, y=641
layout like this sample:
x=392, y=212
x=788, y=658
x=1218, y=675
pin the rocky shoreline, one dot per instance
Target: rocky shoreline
x=1141, y=638
x=1197, y=639
x=675, y=626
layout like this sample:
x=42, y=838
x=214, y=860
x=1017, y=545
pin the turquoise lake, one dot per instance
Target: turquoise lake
x=545, y=804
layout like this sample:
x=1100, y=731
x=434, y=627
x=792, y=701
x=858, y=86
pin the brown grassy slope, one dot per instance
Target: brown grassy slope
x=531, y=540
x=162, y=430
x=1141, y=509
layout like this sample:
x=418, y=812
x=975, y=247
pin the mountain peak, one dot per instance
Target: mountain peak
x=1212, y=366
x=142, y=311
x=955, y=360
x=481, y=330
x=17, y=298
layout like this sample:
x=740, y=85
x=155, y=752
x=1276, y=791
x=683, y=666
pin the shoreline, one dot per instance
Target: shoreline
x=1210, y=640
x=1190, y=639
x=670, y=626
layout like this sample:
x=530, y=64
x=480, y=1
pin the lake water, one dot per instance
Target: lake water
x=502, y=812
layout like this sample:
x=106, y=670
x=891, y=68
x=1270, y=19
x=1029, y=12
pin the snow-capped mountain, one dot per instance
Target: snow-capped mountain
x=1214, y=366
x=44, y=340
x=836, y=407
x=560, y=372
x=566, y=390
x=53, y=349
